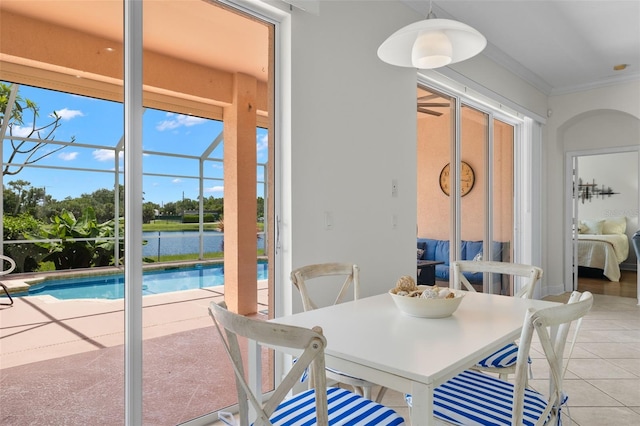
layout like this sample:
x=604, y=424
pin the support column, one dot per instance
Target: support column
x=240, y=204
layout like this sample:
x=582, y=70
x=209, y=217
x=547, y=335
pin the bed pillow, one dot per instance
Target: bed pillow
x=615, y=225
x=592, y=226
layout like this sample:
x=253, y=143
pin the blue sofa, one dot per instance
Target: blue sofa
x=439, y=250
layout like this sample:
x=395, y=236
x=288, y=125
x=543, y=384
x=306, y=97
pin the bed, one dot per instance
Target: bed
x=603, y=244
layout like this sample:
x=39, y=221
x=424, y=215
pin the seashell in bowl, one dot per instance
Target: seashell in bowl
x=439, y=306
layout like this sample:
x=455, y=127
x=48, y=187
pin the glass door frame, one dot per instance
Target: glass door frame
x=525, y=185
x=133, y=30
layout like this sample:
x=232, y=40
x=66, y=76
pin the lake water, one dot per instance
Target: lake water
x=184, y=242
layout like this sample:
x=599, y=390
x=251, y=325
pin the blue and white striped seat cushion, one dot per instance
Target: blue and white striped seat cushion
x=345, y=408
x=505, y=357
x=476, y=399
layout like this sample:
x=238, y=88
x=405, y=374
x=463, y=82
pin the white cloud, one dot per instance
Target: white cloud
x=21, y=131
x=68, y=114
x=176, y=180
x=218, y=188
x=174, y=121
x=263, y=142
x=105, y=154
x=68, y=156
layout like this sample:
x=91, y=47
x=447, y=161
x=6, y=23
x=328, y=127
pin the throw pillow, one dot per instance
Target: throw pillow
x=478, y=257
x=593, y=226
x=420, y=253
x=615, y=225
x=582, y=228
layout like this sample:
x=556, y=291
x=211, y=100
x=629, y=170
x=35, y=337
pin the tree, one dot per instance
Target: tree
x=25, y=152
x=148, y=211
x=260, y=208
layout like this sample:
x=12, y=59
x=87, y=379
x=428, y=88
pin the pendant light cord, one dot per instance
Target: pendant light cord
x=431, y=15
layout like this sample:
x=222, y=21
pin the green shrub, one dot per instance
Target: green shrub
x=26, y=255
x=194, y=218
x=63, y=247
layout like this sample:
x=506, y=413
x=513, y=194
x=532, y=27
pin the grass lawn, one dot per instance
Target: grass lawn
x=167, y=225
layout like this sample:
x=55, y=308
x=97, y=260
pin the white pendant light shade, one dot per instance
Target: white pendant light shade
x=431, y=43
x=432, y=49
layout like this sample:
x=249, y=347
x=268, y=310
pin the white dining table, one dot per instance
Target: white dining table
x=370, y=338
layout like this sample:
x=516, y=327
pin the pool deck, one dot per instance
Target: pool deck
x=38, y=328
x=62, y=361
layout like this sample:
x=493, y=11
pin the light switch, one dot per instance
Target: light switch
x=328, y=220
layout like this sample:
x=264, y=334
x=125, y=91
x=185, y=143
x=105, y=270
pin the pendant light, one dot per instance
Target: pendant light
x=431, y=43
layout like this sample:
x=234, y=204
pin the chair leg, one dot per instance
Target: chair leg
x=381, y=393
x=6, y=291
x=366, y=392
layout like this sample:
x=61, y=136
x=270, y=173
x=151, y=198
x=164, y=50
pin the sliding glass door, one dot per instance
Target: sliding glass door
x=465, y=184
x=159, y=160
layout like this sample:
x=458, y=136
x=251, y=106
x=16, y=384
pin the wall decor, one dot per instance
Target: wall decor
x=467, y=178
x=586, y=191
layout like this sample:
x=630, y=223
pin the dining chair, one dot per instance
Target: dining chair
x=301, y=279
x=12, y=266
x=503, y=361
x=474, y=398
x=319, y=404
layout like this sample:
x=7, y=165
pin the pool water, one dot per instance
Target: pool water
x=153, y=282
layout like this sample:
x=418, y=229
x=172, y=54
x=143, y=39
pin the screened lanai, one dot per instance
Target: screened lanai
x=207, y=98
x=68, y=59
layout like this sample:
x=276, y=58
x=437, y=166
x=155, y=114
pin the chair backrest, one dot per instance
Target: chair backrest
x=552, y=328
x=531, y=274
x=311, y=342
x=12, y=264
x=300, y=278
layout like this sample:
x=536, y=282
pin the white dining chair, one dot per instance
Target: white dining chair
x=350, y=273
x=320, y=405
x=474, y=398
x=10, y=269
x=503, y=361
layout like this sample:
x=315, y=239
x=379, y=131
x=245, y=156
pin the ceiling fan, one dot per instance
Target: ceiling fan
x=424, y=106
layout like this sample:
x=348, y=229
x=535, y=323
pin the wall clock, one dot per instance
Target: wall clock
x=467, y=179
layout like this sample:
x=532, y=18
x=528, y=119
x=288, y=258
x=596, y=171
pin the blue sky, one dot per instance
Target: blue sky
x=100, y=124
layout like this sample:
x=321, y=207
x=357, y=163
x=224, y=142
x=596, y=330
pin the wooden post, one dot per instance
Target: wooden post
x=240, y=204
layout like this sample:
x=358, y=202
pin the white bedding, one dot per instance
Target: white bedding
x=604, y=252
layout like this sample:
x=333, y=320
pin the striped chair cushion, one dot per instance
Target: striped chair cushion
x=345, y=408
x=476, y=399
x=505, y=357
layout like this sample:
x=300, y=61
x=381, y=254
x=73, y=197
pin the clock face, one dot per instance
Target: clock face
x=467, y=179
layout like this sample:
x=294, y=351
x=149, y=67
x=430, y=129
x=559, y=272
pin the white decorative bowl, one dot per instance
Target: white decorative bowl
x=428, y=308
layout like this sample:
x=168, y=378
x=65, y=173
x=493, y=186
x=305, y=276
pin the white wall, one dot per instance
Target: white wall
x=613, y=101
x=353, y=131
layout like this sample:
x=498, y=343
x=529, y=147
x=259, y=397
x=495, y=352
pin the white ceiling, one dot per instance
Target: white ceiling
x=558, y=46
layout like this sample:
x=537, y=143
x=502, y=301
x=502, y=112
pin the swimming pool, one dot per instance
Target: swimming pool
x=153, y=282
